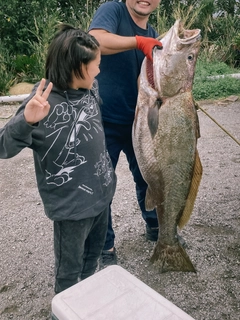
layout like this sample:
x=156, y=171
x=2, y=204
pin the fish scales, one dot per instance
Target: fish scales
x=165, y=133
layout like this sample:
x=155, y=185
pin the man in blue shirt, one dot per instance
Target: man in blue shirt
x=125, y=38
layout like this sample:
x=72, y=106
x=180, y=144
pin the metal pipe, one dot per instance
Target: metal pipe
x=13, y=98
x=220, y=76
x=235, y=75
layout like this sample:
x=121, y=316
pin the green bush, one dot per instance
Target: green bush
x=207, y=88
x=220, y=88
x=7, y=74
x=23, y=64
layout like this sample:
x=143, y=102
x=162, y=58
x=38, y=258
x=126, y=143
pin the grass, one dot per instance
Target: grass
x=205, y=88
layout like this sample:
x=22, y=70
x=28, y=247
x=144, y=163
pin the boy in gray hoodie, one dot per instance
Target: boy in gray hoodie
x=61, y=122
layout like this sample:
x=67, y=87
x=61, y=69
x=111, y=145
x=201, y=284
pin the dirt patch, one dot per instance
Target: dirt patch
x=21, y=88
x=212, y=234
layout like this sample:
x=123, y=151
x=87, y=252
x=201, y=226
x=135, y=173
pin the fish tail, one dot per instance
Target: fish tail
x=171, y=258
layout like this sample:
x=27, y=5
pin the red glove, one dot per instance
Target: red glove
x=146, y=45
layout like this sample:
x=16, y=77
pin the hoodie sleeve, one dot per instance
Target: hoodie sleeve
x=15, y=135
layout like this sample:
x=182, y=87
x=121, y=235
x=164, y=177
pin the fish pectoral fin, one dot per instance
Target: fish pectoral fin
x=197, y=175
x=149, y=202
x=153, y=117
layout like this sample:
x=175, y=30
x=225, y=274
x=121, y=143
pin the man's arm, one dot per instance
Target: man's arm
x=111, y=43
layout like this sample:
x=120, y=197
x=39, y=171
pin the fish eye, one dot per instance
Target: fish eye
x=190, y=57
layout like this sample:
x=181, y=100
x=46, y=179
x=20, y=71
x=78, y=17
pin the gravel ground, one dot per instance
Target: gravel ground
x=212, y=234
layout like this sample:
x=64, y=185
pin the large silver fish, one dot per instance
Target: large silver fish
x=165, y=134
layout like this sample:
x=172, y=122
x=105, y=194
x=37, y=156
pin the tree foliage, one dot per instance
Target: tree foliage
x=18, y=16
x=28, y=25
x=18, y=19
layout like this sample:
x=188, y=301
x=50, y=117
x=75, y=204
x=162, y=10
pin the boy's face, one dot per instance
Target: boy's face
x=90, y=71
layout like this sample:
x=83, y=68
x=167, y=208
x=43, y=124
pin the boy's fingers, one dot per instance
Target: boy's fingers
x=46, y=93
x=39, y=90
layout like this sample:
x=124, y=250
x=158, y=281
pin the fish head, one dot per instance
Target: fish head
x=173, y=66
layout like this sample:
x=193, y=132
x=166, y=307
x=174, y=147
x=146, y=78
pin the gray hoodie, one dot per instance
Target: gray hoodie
x=74, y=172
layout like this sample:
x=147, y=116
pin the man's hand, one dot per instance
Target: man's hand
x=146, y=45
x=38, y=107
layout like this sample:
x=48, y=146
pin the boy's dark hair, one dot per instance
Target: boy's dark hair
x=69, y=49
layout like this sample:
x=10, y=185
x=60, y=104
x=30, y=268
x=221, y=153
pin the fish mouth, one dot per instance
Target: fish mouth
x=186, y=36
x=182, y=37
x=194, y=38
x=175, y=42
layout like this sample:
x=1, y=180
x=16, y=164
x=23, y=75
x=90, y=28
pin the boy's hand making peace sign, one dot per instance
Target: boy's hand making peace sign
x=38, y=107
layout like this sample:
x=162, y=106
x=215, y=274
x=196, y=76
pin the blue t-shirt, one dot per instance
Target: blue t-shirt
x=119, y=72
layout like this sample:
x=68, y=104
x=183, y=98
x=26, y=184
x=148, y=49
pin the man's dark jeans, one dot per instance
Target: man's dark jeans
x=119, y=138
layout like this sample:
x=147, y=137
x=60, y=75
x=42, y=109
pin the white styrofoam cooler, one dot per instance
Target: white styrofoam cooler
x=113, y=294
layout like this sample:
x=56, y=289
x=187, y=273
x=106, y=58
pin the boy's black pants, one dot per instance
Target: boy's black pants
x=77, y=247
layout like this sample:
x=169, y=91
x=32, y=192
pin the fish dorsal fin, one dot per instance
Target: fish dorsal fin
x=197, y=175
